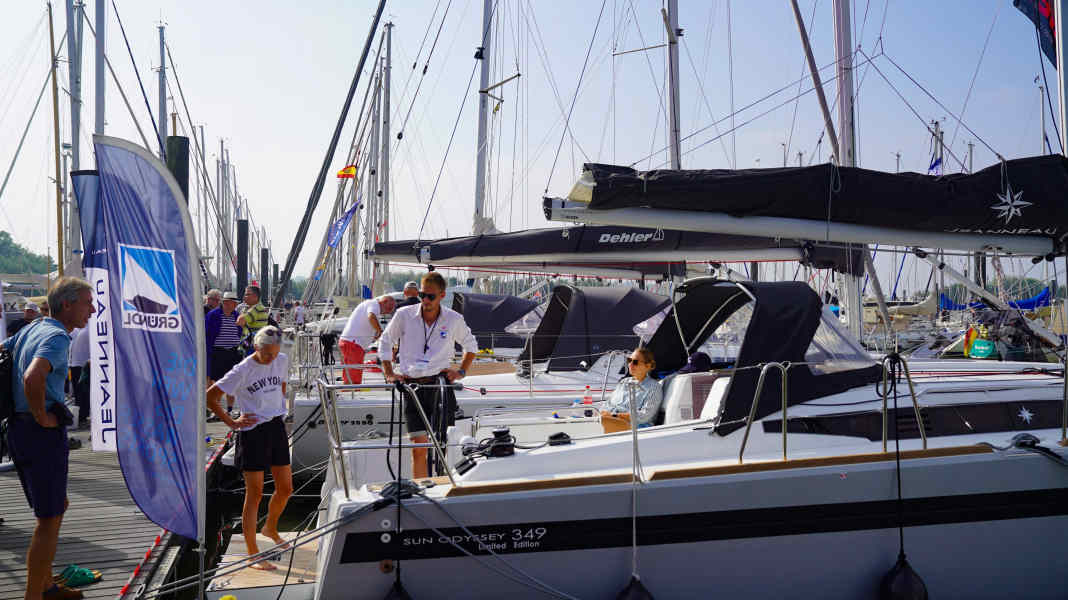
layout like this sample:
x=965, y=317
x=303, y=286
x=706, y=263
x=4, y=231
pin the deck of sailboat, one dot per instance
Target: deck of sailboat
x=103, y=529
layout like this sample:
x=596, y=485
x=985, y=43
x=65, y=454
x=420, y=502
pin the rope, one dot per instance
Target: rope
x=578, y=86
x=162, y=151
x=636, y=480
x=975, y=75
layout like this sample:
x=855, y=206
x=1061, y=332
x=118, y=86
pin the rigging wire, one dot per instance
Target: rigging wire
x=203, y=173
x=578, y=87
x=936, y=101
x=1049, y=99
x=730, y=71
x=28, y=42
x=426, y=65
x=975, y=75
x=793, y=119
x=708, y=105
x=747, y=107
x=162, y=151
x=459, y=113
x=543, y=56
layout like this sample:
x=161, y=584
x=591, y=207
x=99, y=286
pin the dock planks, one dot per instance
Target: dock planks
x=103, y=528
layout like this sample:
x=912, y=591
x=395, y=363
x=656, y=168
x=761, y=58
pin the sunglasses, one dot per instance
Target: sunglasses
x=427, y=296
x=634, y=361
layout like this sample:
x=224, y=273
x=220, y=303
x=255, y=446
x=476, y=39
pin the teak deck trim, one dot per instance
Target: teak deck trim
x=536, y=484
x=823, y=461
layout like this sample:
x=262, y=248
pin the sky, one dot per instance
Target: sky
x=269, y=78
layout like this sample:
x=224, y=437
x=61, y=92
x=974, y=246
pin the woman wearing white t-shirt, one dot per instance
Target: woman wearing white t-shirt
x=258, y=384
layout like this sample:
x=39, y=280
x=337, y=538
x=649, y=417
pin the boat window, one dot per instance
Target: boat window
x=648, y=327
x=726, y=341
x=831, y=350
x=528, y=323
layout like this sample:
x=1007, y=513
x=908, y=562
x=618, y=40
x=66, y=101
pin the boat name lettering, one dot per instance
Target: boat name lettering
x=1015, y=231
x=514, y=539
x=617, y=238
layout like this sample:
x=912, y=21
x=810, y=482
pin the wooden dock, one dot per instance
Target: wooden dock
x=103, y=528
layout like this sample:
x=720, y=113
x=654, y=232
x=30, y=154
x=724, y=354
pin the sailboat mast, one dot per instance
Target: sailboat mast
x=162, y=92
x=387, y=67
x=482, y=54
x=671, y=21
x=74, y=69
x=100, y=85
x=55, y=139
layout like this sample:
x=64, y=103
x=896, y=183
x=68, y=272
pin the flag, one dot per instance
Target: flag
x=348, y=172
x=102, y=409
x=1041, y=14
x=143, y=230
x=936, y=166
x=338, y=228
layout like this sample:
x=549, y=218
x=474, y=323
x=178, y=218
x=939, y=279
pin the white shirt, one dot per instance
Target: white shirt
x=359, y=329
x=299, y=313
x=425, y=348
x=79, y=347
x=257, y=389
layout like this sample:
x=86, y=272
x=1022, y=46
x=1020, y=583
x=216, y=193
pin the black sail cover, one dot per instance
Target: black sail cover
x=783, y=327
x=488, y=314
x=585, y=242
x=1026, y=196
x=582, y=323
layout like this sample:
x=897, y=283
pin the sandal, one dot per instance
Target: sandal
x=75, y=576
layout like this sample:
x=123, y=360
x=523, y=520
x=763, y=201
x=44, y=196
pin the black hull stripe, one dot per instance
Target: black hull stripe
x=553, y=536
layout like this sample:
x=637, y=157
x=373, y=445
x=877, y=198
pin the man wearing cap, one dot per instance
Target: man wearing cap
x=411, y=294
x=361, y=331
x=30, y=312
x=224, y=341
x=427, y=334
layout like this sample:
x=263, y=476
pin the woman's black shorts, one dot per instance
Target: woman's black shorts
x=264, y=446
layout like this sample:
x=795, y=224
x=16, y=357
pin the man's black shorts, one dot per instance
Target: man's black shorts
x=41, y=458
x=221, y=360
x=429, y=400
x=264, y=446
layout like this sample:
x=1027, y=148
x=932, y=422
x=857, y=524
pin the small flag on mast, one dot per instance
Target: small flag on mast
x=348, y=172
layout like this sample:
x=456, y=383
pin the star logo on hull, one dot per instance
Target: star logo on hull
x=1011, y=205
x=1025, y=415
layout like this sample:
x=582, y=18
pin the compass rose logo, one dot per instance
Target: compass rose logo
x=1011, y=205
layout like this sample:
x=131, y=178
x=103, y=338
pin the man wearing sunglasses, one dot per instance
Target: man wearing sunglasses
x=646, y=392
x=427, y=335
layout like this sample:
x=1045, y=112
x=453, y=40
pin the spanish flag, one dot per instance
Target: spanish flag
x=348, y=172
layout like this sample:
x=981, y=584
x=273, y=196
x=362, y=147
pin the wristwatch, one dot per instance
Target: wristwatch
x=462, y=372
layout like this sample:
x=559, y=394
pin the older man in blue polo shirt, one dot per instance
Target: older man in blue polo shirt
x=37, y=434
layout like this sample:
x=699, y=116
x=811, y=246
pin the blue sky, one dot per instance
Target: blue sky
x=269, y=77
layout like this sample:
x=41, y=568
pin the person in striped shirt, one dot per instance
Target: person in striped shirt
x=224, y=341
x=254, y=317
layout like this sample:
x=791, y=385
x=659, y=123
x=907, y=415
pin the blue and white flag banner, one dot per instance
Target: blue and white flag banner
x=157, y=329
x=102, y=397
x=338, y=228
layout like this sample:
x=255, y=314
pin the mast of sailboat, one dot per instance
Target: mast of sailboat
x=375, y=199
x=671, y=22
x=481, y=225
x=74, y=71
x=387, y=67
x=162, y=91
x=55, y=139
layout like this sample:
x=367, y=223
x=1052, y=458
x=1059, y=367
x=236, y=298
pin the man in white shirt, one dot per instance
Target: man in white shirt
x=298, y=315
x=427, y=335
x=361, y=331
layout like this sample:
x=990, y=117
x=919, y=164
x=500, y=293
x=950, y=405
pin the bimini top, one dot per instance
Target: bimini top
x=488, y=314
x=787, y=324
x=582, y=323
